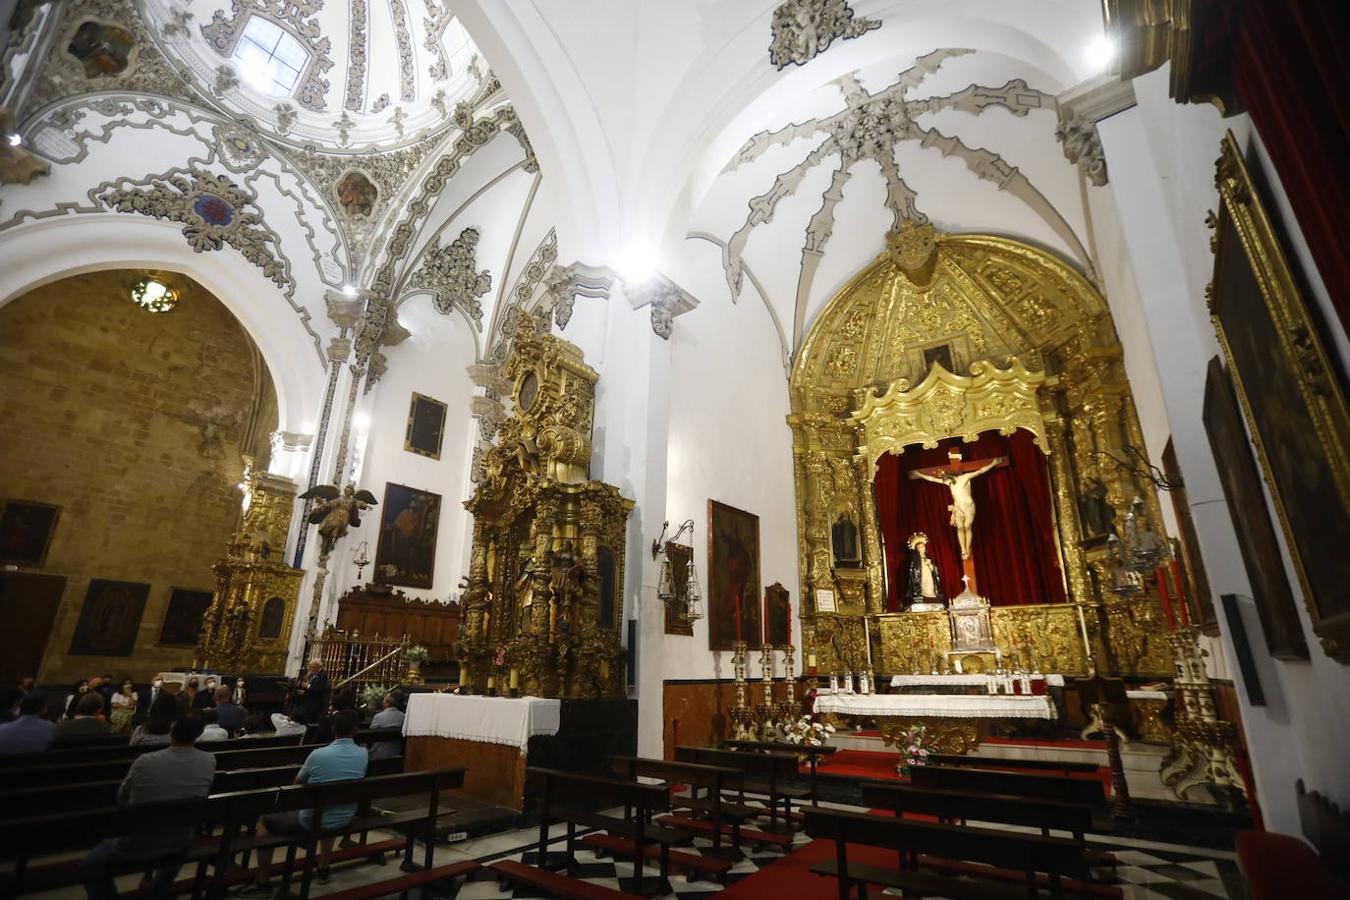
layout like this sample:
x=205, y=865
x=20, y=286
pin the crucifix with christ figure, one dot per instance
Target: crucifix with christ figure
x=956, y=476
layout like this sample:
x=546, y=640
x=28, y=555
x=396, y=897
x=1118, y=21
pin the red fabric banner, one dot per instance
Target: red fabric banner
x=1016, y=557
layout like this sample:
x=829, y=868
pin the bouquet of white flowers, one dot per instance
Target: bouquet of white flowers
x=807, y=732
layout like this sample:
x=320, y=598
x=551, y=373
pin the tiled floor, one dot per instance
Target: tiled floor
x=1146, y=871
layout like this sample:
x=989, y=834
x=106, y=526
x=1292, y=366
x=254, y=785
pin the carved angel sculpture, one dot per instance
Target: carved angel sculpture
x=335, y=511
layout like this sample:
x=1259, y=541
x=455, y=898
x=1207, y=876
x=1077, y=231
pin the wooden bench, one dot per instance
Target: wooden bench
x=406, y=882
x=716, y=780
x=1031, y=855
x=765, y=773
x=1017, y=784
x=553, y=884
x=579, y=799
x=1281, y=865
x=65, y=755
x=958, y=807
x=813, y=755
x=1026, y=765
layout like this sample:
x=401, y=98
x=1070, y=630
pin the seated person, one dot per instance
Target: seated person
x=341, y=760
x=206, y=698
x=323, y=732
x=254, y=727
x=73, y=698
x=31, y=732
x=210, y=730
x=158, y=722
x=294, y=723
x=178, y=772
x=123, y=705
x=88, y=721
x=389, y=717
x=229, y=715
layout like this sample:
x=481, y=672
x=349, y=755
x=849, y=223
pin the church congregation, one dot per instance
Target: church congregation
x=614, y=449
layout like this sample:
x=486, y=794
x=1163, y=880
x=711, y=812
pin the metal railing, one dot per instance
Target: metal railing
x=351, y=658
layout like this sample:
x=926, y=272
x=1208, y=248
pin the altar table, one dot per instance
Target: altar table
x=487, y=720
x=954, y=680
x=954, y=722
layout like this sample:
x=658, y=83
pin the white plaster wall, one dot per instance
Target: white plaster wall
x=730, y=442
x=1161, y=157
x=430, y=362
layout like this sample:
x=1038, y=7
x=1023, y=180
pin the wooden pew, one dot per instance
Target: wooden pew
x=813, y=755
x=578, y=799
x=1031, y=855
x=39, y=836
x=765, y=773
x=958, y=807
x=984, y=781
x=1027, y=765
x=715, y=779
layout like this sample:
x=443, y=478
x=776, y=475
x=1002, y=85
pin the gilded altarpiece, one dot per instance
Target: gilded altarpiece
x=248, y=624
x=945, y=336
x=544, y=593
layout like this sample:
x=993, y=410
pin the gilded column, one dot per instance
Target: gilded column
x=1066, y=510
x=875, y=560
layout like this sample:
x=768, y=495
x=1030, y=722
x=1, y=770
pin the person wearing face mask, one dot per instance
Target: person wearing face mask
x=73, y=698
x=206, y=697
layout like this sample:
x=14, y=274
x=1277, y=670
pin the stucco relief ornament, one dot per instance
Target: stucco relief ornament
x=213, y=211
x=804, y=29
x=451, y=275
x=1083, y=147
x=239, y=150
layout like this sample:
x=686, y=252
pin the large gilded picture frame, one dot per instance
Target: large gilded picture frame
x=733, y=576
x=1290, y=393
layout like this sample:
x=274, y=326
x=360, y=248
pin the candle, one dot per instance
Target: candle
x=1166, y=599
x=463, y=674
x=867, y=640
x=736, y=611
x=1182, y=603
x=811, y=661
x=515, y=678
x=492, y=682
x=788, y=620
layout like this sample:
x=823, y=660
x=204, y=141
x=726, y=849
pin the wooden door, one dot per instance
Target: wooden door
x=28, y=604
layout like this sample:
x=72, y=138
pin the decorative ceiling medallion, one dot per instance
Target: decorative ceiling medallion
x=213, y=211
x=804, y=29
x=451, y=275
x=239, y=150
x=356, y=194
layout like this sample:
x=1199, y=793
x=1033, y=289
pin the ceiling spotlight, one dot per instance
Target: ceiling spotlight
x=153, y=295
x=637, y=264
x=15, y=139
x=349, y=290
x=1100, y=53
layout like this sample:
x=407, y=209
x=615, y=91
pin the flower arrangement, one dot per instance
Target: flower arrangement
x=372, y=695
x=416, y=653
x=499, y=659
x=807, y=732
x=915, y=748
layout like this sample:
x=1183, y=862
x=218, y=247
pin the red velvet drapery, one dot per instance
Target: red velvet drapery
x=1016, y=558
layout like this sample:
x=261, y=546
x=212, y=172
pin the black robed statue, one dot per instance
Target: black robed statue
x=923, y=583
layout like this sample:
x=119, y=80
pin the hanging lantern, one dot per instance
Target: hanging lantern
x=693, y=600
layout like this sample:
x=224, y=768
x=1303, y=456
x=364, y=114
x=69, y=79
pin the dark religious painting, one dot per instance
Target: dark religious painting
x=604, y=561
x=777, y=629
x=273, y=615
x=733, y=576
x=677, y=608
x=184, y=617
x=426, y=426
x=102, y=49
x=1251, y=520
x=1200, y=600
x=109, y=618
x=408, y=520
x=1292, y=395
x=1237, y=631
x=356, y=194
x=26, y=531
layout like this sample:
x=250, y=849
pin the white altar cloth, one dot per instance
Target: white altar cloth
x=1147, y=695
x=488, y=720
x=954, y=680
x=942, y=706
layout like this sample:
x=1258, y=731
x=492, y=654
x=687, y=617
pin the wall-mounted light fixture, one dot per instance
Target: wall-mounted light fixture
x=677, y=585
x=153, y=295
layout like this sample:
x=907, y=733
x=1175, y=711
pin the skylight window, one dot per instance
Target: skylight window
x=269, y=57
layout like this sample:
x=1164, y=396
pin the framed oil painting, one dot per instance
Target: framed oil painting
x=733, y=576
x=184, y=617
x=109, y=618
x=1247, y=507
x=1291, y=393
x=26, y=530
x=777, y=628
x=426, y=426
x=406, y=556
x=677, y=620
x=1198, y=596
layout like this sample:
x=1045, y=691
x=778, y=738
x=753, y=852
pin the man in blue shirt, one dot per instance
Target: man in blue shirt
x=341, y=760
x=30, y=733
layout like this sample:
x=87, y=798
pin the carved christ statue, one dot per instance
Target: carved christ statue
x=957, y=476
